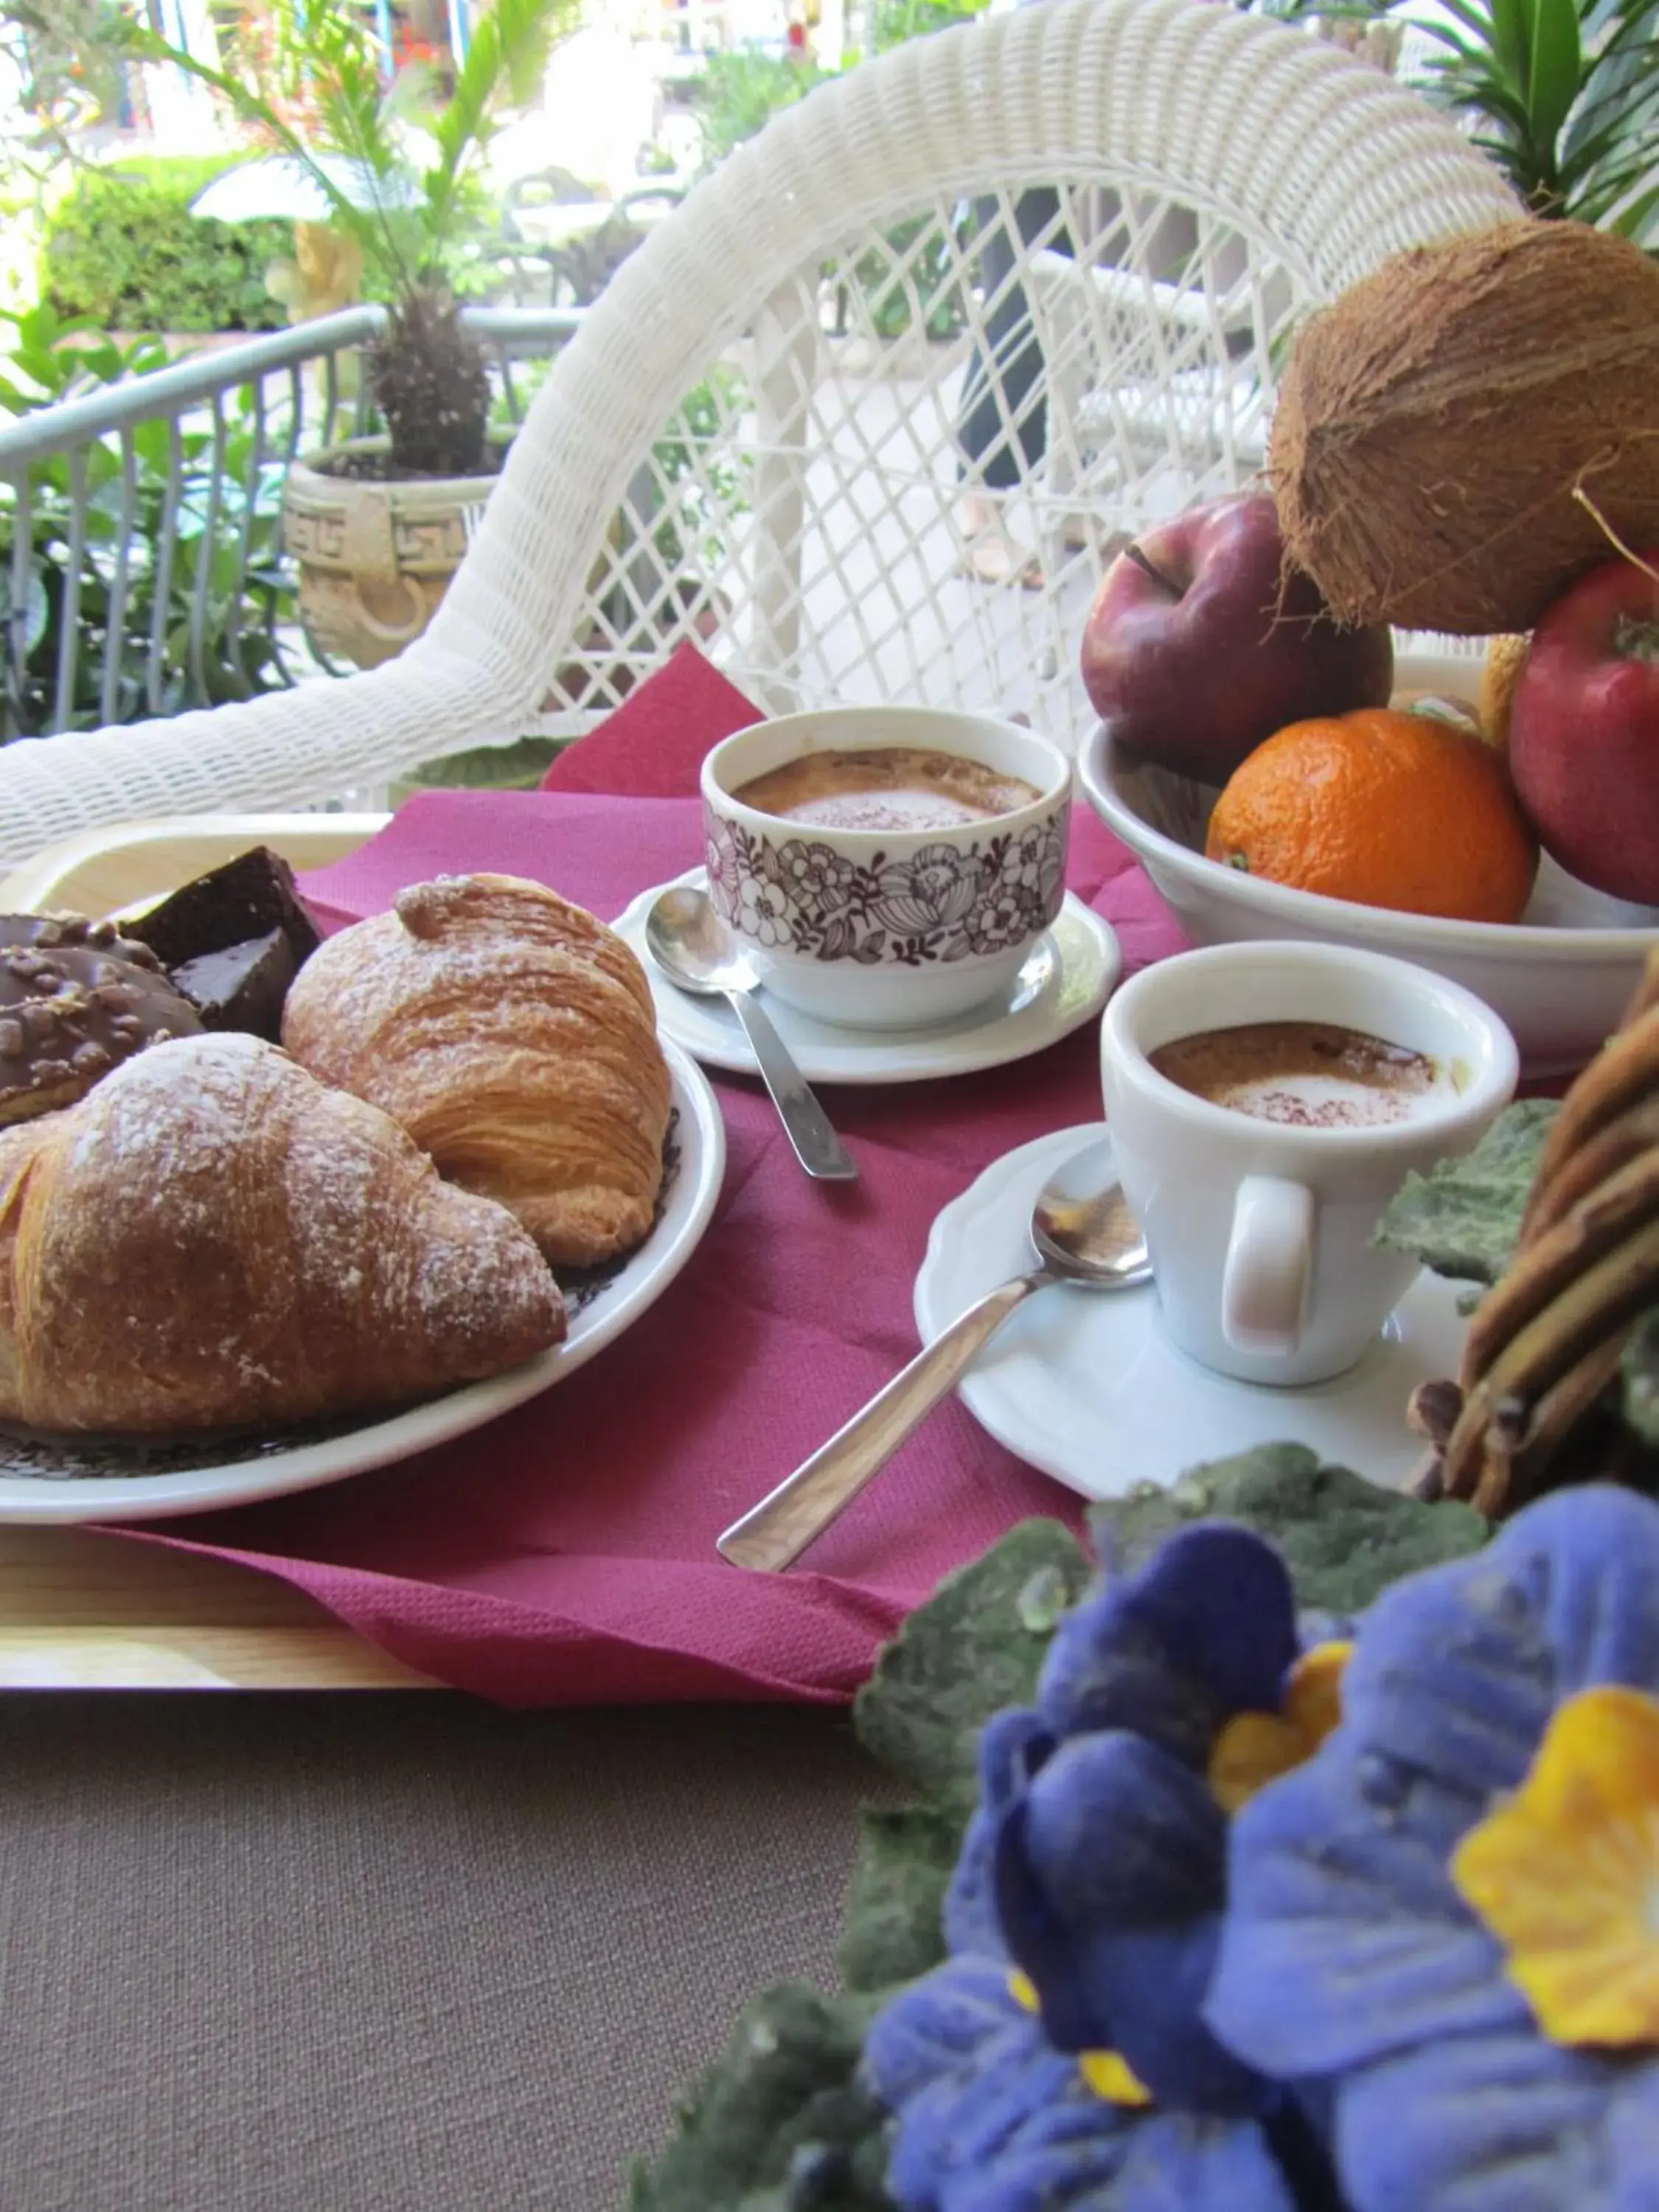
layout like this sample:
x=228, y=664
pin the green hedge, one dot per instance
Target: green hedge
x=129, y=253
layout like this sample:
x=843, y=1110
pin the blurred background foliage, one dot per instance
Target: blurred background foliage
x=123, y=250
x=192, y=622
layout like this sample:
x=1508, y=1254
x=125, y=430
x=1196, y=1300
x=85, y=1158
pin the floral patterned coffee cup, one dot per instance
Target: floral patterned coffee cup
x=877, y=928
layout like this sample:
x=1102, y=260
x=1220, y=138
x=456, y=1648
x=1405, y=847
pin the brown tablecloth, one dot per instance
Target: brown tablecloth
x=389, y=1953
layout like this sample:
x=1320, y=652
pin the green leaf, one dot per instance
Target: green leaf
x=779, y=2123
x=36, y=609
x=960, y=1657
x=349, y=124
x=506, y=54
x=1045, y=1599
x=1511, y=41
x=893, y=1931
x=1557, y=68
x=1343, y=1538
x=1638, y=216
x=1472, y=18
x=1463, y=1218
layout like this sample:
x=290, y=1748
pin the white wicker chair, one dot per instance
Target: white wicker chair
x=733, y=386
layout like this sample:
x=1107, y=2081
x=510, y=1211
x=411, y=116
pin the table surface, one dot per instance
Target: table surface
x=80, y=1610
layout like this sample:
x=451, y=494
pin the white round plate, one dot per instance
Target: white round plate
x=699, y=1140
x=1066, y=979
x=1084, y=1385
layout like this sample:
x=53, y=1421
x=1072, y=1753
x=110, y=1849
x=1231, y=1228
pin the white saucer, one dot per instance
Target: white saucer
x=1067, y=980
x=1084, y=1385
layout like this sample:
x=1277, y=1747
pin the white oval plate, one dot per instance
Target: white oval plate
x=700, y=1135
x=1561, y=977
x=1067, y=980
x=1083, y=1384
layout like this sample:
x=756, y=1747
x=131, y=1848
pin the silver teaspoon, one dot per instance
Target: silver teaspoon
x=1083, y=1233
x=693, y=947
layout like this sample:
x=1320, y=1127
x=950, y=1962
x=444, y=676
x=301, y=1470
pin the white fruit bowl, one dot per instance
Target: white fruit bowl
x=1560, y=977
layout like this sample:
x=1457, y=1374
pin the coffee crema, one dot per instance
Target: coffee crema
x=1307, y=1075
x=892, y=787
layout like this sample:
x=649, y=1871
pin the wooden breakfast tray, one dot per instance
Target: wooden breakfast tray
x=80, y=1610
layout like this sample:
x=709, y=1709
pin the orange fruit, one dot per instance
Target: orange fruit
x=1384, y=808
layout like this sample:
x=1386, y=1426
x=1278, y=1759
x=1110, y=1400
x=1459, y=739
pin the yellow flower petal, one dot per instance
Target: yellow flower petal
x=1566, y=1873
x=1107, y=2074
x=1110, y=2078
x=1312, y=1694
x=1255, y=1748
x=1250, y=1750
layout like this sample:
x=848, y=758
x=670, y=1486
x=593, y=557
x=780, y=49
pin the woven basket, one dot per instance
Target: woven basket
x=1536, y=1403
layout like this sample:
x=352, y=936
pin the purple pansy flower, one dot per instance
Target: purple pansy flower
x=1120, y=1938
x=992, y=2119
x=1351, y=1957
x=1083, y=1920
x=1206, y=1630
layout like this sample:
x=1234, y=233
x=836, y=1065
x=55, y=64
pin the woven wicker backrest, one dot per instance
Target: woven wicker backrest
x=1054, y=256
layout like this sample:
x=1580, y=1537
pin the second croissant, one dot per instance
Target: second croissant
x=513, y=1037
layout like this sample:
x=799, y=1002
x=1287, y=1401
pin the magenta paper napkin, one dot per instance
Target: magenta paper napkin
x=565, y=1552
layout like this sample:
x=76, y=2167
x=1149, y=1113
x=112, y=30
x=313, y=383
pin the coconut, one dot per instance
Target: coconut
x=1438, y=420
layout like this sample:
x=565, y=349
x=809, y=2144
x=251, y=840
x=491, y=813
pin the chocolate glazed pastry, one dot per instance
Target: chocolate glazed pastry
x=75, y=1000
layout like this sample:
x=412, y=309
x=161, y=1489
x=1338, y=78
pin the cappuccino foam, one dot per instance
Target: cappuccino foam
x=1306, y=1075
x=897, y=788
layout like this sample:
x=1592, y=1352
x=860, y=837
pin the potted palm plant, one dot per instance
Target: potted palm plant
x=379, y=524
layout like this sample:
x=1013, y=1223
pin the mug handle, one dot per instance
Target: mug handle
x=1264, y=1283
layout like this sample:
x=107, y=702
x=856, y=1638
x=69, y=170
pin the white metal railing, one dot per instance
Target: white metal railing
x=141, y=561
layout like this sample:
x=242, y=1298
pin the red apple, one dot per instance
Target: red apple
x=1584, y=730
x=1199, y=645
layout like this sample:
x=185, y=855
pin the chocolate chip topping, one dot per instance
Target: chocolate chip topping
x=73, y=1000
x=22, y=934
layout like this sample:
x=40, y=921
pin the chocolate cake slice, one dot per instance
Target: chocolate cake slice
x=233, y=940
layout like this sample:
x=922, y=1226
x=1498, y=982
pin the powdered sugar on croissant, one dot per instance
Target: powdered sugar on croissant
x=514, y=1036
x=211, y=1237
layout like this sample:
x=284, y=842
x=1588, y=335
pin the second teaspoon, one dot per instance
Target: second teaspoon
x=694, y=950
x=1082, y=1232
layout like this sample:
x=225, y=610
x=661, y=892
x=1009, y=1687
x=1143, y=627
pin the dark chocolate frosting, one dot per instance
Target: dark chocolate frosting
x=73, y=1003
x=243, y=987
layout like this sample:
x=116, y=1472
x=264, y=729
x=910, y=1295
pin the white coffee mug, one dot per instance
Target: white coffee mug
x=1262, y=1233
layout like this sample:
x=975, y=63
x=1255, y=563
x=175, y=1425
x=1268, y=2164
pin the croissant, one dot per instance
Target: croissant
x=211, y=1238
x=515, y=1038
